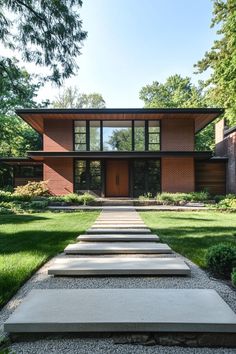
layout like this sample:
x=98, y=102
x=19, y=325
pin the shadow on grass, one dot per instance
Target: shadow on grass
x=20, y=219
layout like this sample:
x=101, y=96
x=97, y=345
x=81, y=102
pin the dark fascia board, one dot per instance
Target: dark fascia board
x=120, y=110
x=123, y=154
x=230, y=131
x=18, y=160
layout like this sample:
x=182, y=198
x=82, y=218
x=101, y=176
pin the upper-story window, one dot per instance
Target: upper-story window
x=137, y=135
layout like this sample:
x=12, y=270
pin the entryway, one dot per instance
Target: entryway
x=117, y=178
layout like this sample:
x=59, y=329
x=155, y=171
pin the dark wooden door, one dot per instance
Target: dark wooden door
x=117, y=178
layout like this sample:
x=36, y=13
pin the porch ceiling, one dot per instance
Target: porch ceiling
x=201, y=116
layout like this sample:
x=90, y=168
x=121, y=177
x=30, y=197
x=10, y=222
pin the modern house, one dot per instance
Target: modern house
x=121, y=152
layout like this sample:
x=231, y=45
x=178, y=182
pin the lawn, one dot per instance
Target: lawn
x=192, y=233
x=28, y=241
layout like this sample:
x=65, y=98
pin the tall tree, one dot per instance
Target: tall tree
x=179, y=92
x=71, y=98
x=47, y=33
x=221, y=59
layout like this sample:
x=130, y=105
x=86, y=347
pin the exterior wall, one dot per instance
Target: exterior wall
x=210, y=176
x=58, y=135
x=177, y=175
x=177, y=134
x=58, y=172
x=226, y=147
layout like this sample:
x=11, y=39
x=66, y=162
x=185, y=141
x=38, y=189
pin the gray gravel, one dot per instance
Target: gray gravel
x=105, y=344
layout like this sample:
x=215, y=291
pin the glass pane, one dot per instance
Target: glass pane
x=80, y=147
x=38, y=171
x=117, y=136
x=154, y=139
x=27, y=171
x=154, y=126
x=154, y=147
x=80, y=138
x=146, y=177
x=95, y=136
x=80, y=126
x=95, y=175
x=80, y=175
x=139, y=135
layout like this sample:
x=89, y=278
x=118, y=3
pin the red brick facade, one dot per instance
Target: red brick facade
x=58, y=135
x=177, y=175
x=59, y=174
x=177, y=134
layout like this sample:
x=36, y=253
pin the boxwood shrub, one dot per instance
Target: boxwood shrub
x=220, y=259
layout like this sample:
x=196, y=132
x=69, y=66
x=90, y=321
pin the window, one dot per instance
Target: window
x=88, y=175
x=95, y=136
x=28, y=171
x=139, y=135
x=117, y=136
x=154, y=135
x=80, y=135
x=146, y=177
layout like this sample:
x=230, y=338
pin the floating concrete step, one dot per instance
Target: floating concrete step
x=107, y=265
x=118, y=237
x=117, y=226
x=117, y=248
x=119, y=222
x=118, y=231
x=122, y=310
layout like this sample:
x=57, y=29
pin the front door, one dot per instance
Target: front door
x=117, y=178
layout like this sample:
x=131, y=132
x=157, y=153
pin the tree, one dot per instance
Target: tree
x=221, y=59
x=120, y=140
x=71, y=98
x=17, y=90
x=178, y=92
x=47, y=33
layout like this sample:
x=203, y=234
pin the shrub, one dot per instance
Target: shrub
x=233, y=277
x=5, y=196
x=32, y=189
x=38, y=204
x=4, y=211
x=228, y=202
x=87, y=198
x=145, y=196
x=181, y=198
x=220, y=259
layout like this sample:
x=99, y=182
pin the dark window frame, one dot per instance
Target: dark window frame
x=18, y=171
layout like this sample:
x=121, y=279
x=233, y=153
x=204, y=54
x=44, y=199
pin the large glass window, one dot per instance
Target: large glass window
x=121, y=135
x=95, y=135
x=117, y=136
x=80, y=135
x=88, y=175
x=146, y=177
x=154, y=135
x=28, y=171
x=139, y=135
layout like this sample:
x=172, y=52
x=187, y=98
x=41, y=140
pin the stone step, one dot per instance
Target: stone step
x=118, y=226
x=118, y=231
x=107, y=265
x=122, y=310
x=119, y=222
x=118, y=237
x=117, y=248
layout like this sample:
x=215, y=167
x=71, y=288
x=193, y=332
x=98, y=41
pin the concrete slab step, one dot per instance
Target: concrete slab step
x=118, y=226
x=117, y=248
x=119, y=237
x=120, y=222
x=118, y=231
x=122, y=310
x=107, y=265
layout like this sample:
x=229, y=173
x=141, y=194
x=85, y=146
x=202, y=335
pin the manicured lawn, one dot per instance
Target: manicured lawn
x=28, y=241
x=192, y=233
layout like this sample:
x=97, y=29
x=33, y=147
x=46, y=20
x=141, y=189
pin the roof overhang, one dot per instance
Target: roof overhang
x=13, y=161
x=42, y=155
x=201, y=116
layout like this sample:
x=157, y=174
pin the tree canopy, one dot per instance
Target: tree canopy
x=221, y=59
x=71, y=98
x=47, y=33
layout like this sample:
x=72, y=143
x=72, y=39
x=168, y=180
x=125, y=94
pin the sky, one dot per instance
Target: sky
x=132, y=43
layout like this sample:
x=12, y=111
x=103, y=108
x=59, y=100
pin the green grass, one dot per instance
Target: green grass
x=28, y=241
x=192, y=233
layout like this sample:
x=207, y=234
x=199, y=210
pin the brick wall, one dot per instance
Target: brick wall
x=59, y=174
x=58, y=135
x=177, y=175
x=177, y=134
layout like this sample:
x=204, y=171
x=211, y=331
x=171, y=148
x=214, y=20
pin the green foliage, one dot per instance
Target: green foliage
x=146, y=196
x=233, y=277
x=47, y=33
x=32, y=189
x=181, y=198
x=221, y=59
x=38, y=204
x=71, y=98
x=82, y=199
x=220, y=259
x=228, y=202
x=120, y=140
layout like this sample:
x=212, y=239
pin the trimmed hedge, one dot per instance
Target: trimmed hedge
x=220, y=259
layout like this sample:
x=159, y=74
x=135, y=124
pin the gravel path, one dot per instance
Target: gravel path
x=104, y=345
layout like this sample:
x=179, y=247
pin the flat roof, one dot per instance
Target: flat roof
x=201, y=116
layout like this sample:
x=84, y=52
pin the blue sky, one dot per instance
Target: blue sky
x=132, y=43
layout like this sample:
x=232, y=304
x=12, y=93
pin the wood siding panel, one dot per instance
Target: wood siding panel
x=210, y=176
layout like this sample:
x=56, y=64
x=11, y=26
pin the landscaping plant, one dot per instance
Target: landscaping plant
x=220, y=259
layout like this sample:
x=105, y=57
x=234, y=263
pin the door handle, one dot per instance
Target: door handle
x=117, y=180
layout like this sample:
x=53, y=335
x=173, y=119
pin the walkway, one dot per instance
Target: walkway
x=119, y=243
